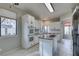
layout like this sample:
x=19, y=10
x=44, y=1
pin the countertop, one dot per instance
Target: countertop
x=49, y=38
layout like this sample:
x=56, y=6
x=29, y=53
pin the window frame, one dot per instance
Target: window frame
x=0, y=27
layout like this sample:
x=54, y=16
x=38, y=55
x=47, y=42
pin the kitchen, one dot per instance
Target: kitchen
x=50, y=34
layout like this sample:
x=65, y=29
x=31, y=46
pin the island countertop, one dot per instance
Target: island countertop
x=46, y=38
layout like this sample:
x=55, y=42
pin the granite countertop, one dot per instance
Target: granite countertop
x=49, y=38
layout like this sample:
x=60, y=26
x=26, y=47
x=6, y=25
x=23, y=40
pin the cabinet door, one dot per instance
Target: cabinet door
x=36, y=24
x=47, y=48
x=25, y=32
x=32, y=21
x=41, y=48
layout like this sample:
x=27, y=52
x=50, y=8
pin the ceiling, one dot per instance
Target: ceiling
x=39, y=10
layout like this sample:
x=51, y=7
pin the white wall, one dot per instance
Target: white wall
x=7, y=13
x=8, y=43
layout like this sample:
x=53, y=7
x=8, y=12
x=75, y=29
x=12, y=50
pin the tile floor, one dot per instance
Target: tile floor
x=33, y=51
x=64, y=49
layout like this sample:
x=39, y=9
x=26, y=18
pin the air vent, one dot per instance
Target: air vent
x=16, y=3
x=13, y=4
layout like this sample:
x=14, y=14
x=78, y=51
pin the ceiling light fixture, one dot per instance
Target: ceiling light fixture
x=50, y=7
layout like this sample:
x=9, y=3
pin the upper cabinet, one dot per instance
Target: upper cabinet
x=30, y=31
x=31, y=20
x=32, y=23
x=37, y=24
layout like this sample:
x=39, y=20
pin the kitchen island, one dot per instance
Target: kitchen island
x=48, y=46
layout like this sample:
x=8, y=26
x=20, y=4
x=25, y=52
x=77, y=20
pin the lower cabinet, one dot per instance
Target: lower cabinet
x=46, y=47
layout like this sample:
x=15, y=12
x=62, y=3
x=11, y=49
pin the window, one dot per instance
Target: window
x=67, y=29
x=45, y=29
x=8, y=26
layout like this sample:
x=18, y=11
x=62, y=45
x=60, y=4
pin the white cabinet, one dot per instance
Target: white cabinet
x=31, y=20
x=37, y=24
x=27, y=22
x=25, y=32
x=46, y=47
